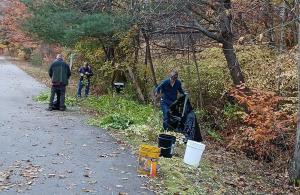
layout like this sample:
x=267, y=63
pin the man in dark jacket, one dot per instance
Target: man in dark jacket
x=169, y=88
x=85, y=79
x=59, y=73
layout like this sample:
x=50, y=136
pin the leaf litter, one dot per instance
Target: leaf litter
x=19, y=175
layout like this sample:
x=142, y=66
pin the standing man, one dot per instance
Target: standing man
x=85, y=79
x=169, y=88
x=59, y=73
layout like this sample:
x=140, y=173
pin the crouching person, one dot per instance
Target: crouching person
x=59, y=73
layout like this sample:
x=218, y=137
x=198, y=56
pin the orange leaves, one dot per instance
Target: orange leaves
x=14, y=14
x=264, y=124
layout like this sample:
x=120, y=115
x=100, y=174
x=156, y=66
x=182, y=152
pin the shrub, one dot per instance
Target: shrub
x=233, y=112
x=36, y=59
x=267, y=131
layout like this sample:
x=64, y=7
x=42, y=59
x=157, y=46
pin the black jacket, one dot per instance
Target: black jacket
x=59, y=72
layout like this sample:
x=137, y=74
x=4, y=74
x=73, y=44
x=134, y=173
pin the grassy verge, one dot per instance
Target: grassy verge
x=44, y=97
x=137, y=124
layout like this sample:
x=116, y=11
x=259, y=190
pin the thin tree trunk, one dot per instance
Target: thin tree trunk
x=243, y=23
x=136, y=83
x=282, y=28
x=200, y=98
x=269, y=22
x=149, y=58
x=281, y=46
x=132, y=70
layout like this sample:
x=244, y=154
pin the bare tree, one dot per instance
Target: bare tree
x=223, y=35
x=188, y=17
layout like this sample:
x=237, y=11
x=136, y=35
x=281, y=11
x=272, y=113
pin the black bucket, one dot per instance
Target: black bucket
x=166, y=143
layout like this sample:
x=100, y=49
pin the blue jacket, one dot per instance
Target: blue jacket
x=87, y=71
x=169, y=92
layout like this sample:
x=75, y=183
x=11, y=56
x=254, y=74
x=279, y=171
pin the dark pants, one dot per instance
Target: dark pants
x=60, y=92
x=81, y=85
x=166, y=117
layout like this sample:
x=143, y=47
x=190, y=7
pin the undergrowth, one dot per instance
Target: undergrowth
x=267, y=133
x=44, y=97
x=139, y=122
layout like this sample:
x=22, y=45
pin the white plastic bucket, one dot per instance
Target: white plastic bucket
x=193, y=153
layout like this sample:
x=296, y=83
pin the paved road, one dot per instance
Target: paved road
x=54, y=152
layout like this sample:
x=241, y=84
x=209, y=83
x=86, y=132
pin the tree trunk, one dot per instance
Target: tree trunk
x=269, y=22
x=109, y=53
x=297, y=144
x=281, y=46
x=131, y=70
x=227, y=41
x=225, y=36
x=149, y=58
x=282, y=27
x=136, y=83
x=233, y=63
x=243, y=23
x=200, y=98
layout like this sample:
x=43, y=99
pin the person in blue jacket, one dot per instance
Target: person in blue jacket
x=169, y=89
x=85, y=79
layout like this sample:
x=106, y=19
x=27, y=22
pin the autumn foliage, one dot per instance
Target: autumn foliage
x=266, y=132
x=15, y=13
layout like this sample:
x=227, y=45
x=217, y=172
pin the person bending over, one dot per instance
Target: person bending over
x=169, y=89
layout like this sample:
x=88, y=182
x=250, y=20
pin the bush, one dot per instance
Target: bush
x=266, y=131
x=233, y=112
x=36, y=59
x=27, y=53
x=214, y=134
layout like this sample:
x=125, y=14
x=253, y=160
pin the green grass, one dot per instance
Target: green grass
x=44, y=97
x=139, y=123
x=118, y=112
x=214, y=134
x=120, y=108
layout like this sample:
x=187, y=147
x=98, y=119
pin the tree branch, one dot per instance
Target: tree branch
x=175, y=49
x=202, y=30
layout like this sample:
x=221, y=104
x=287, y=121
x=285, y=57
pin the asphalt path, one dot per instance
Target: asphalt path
x=56, y=153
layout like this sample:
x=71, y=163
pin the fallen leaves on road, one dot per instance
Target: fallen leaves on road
x=26, y=170
x=88, y=190
x=50, y=175
x=92, y=182
x=62, y=176
x=108, y=155
x=4, y=180
x=87, y=172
